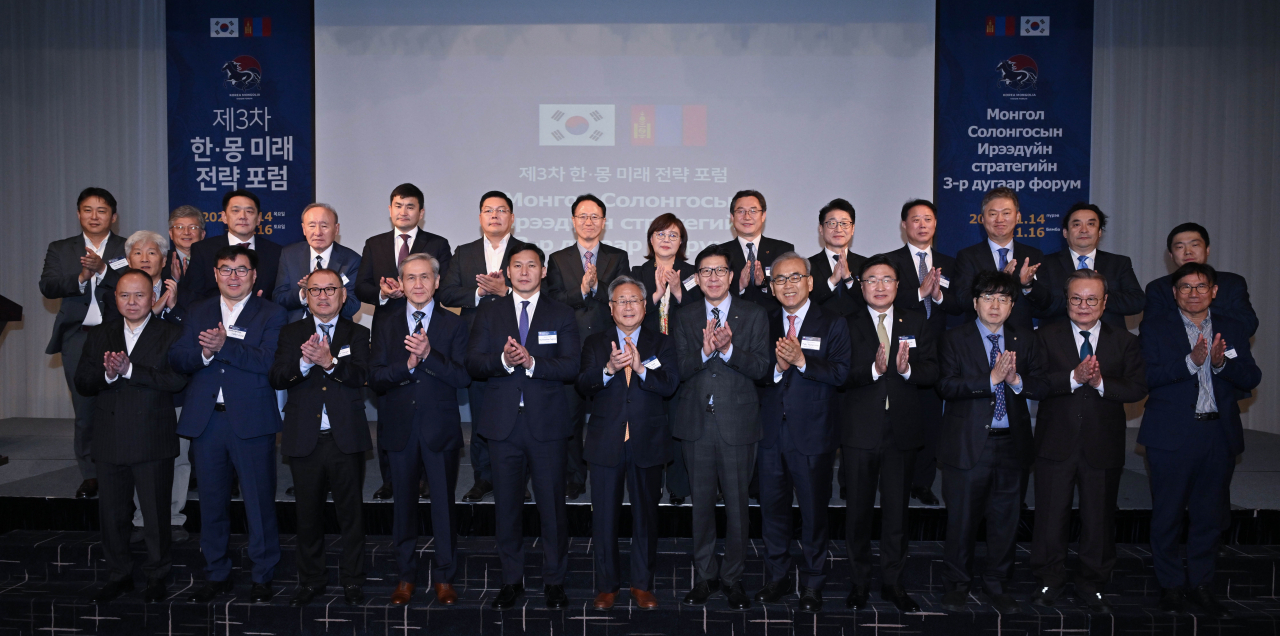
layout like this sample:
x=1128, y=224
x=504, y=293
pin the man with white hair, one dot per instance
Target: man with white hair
x=319, y=251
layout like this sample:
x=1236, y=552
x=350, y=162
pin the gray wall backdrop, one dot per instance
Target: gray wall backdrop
x=1185, y=115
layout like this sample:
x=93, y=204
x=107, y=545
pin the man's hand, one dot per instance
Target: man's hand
x=781, y=355
x=588, y=279
x=1011, y=371
x=1218, y=353
x=1028, y=272
x=212, y=340
x=418, y=346
x=90, y=264
x=516, y=355
x=1200, y=351
x=1095, y=378
x=724, y=339
x=637, y=366
x=618, y=358
x=1083, y=372
x=1001, y=368
x=882, y=360
x=789, y=349
x=390, y=288
x=840, y=272
x=176, y=269
x=168, y=299
x=758, y=275
x=491, y=284
x=903, y=360
x=116, y=363
x=316, y=351
x=709, y=338
x=745, y=278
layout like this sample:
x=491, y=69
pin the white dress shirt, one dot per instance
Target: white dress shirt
x=232, y=239
x=311, y=266
x=800, y=314
x=1093, y=342
x=928, y=264
x=1090, y=259
x=305, y=365
x=635, y=341
x=229, y=316
x=429, y=309
x=396, y=242
x=888, y=327
x=995, y=256
x=742, y=243
x=831, y=260
x=492, y=258
x=94, y=316
x=130, y=338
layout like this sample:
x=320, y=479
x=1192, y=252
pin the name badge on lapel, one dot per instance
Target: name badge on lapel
x=236, y=332
x=345, y=280
x=344, y=351
x=1230, y=353
x=690, y=282
x=652, y=363
x=118, y=263
x=910, y=341
x=811, y=343
x=943, y=281
x=547, y=337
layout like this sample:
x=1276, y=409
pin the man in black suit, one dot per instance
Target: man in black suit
x=931, y=273
x=319, y=250
x=1094, y=369
x=999, y=252
x=577, y=276
x=1083, y=226
x=475, y=277
x=419, y=363
x=723, y=347
x=894, y=354
x=810, y=358
x=1189, y=243
x=126, y=366
x=835, y=268
x=629, y=442
x=186, y=228
x=989, y=369
x=242, y=213
x=751, y=254
x=378, y=282
x=323, y=361
x=82, y=271
x=526, y=347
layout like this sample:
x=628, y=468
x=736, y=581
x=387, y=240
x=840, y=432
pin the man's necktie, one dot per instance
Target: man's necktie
x=1084, y=262
x=883, y=334
x=791, y=326
x=1086, y=349
x=404, y=249
x=418, y=315
x=835, y=260
x=1004, y=258
x=588, y=256
x=715, y=313
x=325, y=329
x=524, y=321
x=319, y=263
x=995, y=353
x=924, y=271
x=751, y=263
x=626, y=434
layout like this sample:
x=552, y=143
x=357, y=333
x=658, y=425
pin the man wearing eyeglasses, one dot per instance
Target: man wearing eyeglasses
x=809, y=359
x=579, y=276
x=228, y=345
x=722, y=345
x=751, y=253
x=242, y=214
x=186, y=227
x=835, y=267
x=1198, y=361
x=320, y=250
x=1094, y=368
x=628, y=374
x=1083, y=227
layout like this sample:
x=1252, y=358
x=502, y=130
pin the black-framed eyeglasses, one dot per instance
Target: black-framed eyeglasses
x=317, y=291
x=832, y=225
x=225, y=271
x=1185, y=288
x=793, y=279
x=708, y=272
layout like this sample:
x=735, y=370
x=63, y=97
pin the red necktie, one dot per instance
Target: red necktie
x=404, y=249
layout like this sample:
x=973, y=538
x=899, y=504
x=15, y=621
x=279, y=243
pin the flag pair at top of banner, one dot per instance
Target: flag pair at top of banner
x=1013, y=25
x=232, y=27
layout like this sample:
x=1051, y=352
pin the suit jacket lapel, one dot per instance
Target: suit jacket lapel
x=419, y=243
x=146, y=343
x=393, y=249
x=246, y=315
x=573, y=266
x=814, y=323
x=340, y=337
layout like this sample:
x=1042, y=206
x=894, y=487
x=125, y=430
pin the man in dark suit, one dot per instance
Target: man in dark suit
x=323, y=361
x=629, y=442
x=723, y=347
x=230, y=412
x=126, y=366
x=1094, y=369
x=186, y=228
x=1198, y=362
x=577, y=276
x=419, y=362
x=931, y=273
x=809, y=359
x=835, y=267
x=319, y=251
x=999, y=252
x=242, y=213
x=989, y=369
x=475, y=277
x=1189, y=243
x=1082, y=226
x=894, y=354
x=378, y=282
x=751, y=254
x=526, y=347
x=82, y=271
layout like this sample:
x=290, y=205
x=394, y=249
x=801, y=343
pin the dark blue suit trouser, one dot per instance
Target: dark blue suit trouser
x=479, y=450
x=644, y=485
x=1192, y=478
x=514, y=459
x=219, y=452
x=442, y=477
x=783, y=470
x=990, y=490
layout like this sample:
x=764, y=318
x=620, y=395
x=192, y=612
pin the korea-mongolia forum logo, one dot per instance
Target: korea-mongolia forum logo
x=243, y=73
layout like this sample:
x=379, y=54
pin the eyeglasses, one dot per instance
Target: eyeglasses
x=716, y=272
x=327, y=291
x=185, y=228
x=225, y=271
x=628, y=302
x=783, y=280
x=841, y=225
x=748, y=211
x=996, y=299
x=667, y=236
x=877, y=281
x=495, y=211
x=1202, y=288
x=588, y=218
x=1091, y=301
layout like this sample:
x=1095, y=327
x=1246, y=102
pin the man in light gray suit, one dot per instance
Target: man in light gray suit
x=722, y=345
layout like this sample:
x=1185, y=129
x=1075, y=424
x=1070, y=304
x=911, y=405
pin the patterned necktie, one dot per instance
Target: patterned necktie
x=883, y=334
x=751, y=263
x=1004, y=258
x=1086, y=349
x=319, y=263
x=995, y=353
x=924, y=271
x=626, y=434
x=835, y=260
x=404, y=249
x=524, y=321
x=417, y=315
x=715, y=313
x=791, y=326
x=1084, y=262
x=325, y=329
x=588, y=256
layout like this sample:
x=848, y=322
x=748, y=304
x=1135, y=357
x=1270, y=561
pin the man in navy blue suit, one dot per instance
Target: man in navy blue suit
x=419, y=363
x=1198, y=361
x=629, y=440
x=242, y=212
x=228, y=345
x=808, y=361
x=526, y=347
x=1189, y=243
x=319, y=251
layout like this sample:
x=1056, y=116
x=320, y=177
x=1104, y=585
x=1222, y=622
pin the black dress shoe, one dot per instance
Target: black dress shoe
x=844, y=493
x=573, y=491
x=210, y=590
x=305, y=594
x=701, y=592
x=738, y=599
x=1004, y=603
x=1046, y=596
x=157, y=591
x=1171, y=601
x=478, y=491
x=424, y=491
x=527, y=495
x=261, y=592
x=677, y=500
x=290, y=491
x=112, y=591
x=352, y=594
x=810, y=600
x=858, y=598
x=235, y=488
x=775, y=591
x=136, y=535
x=898, y=596
x=924, y=496
x=507, y=596
x=384, y=492
x=955, y=600
x=1097, y=603
x=556, y=598
x=88, y=489
x=1204, y=598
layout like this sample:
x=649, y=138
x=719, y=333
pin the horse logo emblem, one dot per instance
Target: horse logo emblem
x=1019, y=73
x=243, y=73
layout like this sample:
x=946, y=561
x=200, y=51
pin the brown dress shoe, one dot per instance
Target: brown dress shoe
x=644, y=599
x=604, y=600
x=404, y=590
x=445, y=594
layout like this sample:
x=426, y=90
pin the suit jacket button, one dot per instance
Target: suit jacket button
x=324, y=388
x=222, y=370
x=713, y=375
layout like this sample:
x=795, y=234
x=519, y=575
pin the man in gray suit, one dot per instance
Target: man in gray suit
x=722, y=344
x=82, y=271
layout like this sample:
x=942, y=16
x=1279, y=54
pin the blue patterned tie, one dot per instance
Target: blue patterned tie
x=1084, y=262
x=417, y=315
x=1086, y=349
x=995, y=352
x=924, y=271
x=1004, y=258
x=325, y=329
x=524, y=321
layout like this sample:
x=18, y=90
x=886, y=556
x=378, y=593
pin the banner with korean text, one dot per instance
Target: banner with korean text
x=1014, y=94
x=241, y=114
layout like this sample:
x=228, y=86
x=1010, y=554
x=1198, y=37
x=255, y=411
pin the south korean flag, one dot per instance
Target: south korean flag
x=224, y=28
x=575, y=125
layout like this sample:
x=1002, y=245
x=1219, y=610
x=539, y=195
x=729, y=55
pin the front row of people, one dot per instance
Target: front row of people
x=775, y=391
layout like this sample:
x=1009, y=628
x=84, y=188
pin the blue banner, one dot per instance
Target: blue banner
x=1013, y=109
x=241, y=81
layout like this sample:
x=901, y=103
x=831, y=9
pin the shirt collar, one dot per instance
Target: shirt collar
x=395, y=235
x=829, y=252
x=533, y=300
x=1093, y=332
x=1092, y=256
x=995, y=248
x=755, y=242
x=333, y=324
x=428, y=308
x=222, y=302
x=100, y=248
x=232, y=239
x=622, y=336
x=723, y=307
x=1187, y=321
x=328, y=252
x=982, y=329
x=136, y=332
x=582, y=251
x=913, y=250
x=800, y=313
x=875, y=315
x=502, y=245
